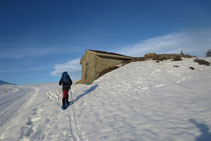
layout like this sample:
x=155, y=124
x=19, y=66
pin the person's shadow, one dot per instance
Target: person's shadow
x=205, y=134
x=83, y=94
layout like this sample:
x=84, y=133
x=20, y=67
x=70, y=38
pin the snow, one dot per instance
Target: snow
x=140, y=101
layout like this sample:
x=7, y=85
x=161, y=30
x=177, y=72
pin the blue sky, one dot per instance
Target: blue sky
x=40, y=39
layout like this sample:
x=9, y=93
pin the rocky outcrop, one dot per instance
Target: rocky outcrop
x=202, y=62
x=161, y=57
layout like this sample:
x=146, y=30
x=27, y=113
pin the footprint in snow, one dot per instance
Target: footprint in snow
x=161, y=85
x=145, y=88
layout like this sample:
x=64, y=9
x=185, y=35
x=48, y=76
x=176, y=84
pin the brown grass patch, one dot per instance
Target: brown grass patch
x=107, y=70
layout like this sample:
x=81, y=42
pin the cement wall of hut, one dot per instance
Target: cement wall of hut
x=93, y=64
x=88, y=68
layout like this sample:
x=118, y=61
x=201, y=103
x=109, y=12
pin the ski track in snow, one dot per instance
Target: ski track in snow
x=140, y=101
x=11, y=101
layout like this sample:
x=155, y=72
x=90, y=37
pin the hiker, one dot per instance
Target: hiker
x=66, y=83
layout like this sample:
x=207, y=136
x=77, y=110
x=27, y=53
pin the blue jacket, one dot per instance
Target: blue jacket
x=65, y=85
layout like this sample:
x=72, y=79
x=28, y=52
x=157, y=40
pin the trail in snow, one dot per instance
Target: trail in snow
x=11, y=99
x=140, y=101
x=42, y=117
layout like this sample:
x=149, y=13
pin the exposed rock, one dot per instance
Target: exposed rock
x=192, y=68
x=150, y=55
x=177, y=58
x=202, y=62
x=161, y=57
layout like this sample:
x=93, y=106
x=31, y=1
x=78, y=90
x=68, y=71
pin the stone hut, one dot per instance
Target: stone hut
x=94, y=62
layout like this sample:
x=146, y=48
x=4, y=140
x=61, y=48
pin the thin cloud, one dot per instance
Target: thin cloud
x=21, y=52
x=18, y=50
x=72, y=66
x=33, y=69
x=193, y=43
x=24, y=76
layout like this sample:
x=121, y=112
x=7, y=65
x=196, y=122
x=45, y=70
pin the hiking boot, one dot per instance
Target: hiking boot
x=63, y=102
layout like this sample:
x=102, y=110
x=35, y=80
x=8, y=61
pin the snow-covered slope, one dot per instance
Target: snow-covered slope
x=144, y=101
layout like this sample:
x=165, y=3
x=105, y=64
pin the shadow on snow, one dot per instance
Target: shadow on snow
x=83, y=94
x=205, y=134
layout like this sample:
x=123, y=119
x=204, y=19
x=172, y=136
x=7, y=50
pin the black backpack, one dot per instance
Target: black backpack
x=66, y=79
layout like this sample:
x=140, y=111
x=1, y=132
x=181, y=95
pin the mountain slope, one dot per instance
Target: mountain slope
x=3, y=82
x=139, y=101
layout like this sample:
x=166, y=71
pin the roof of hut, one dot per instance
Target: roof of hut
x=104, y=53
